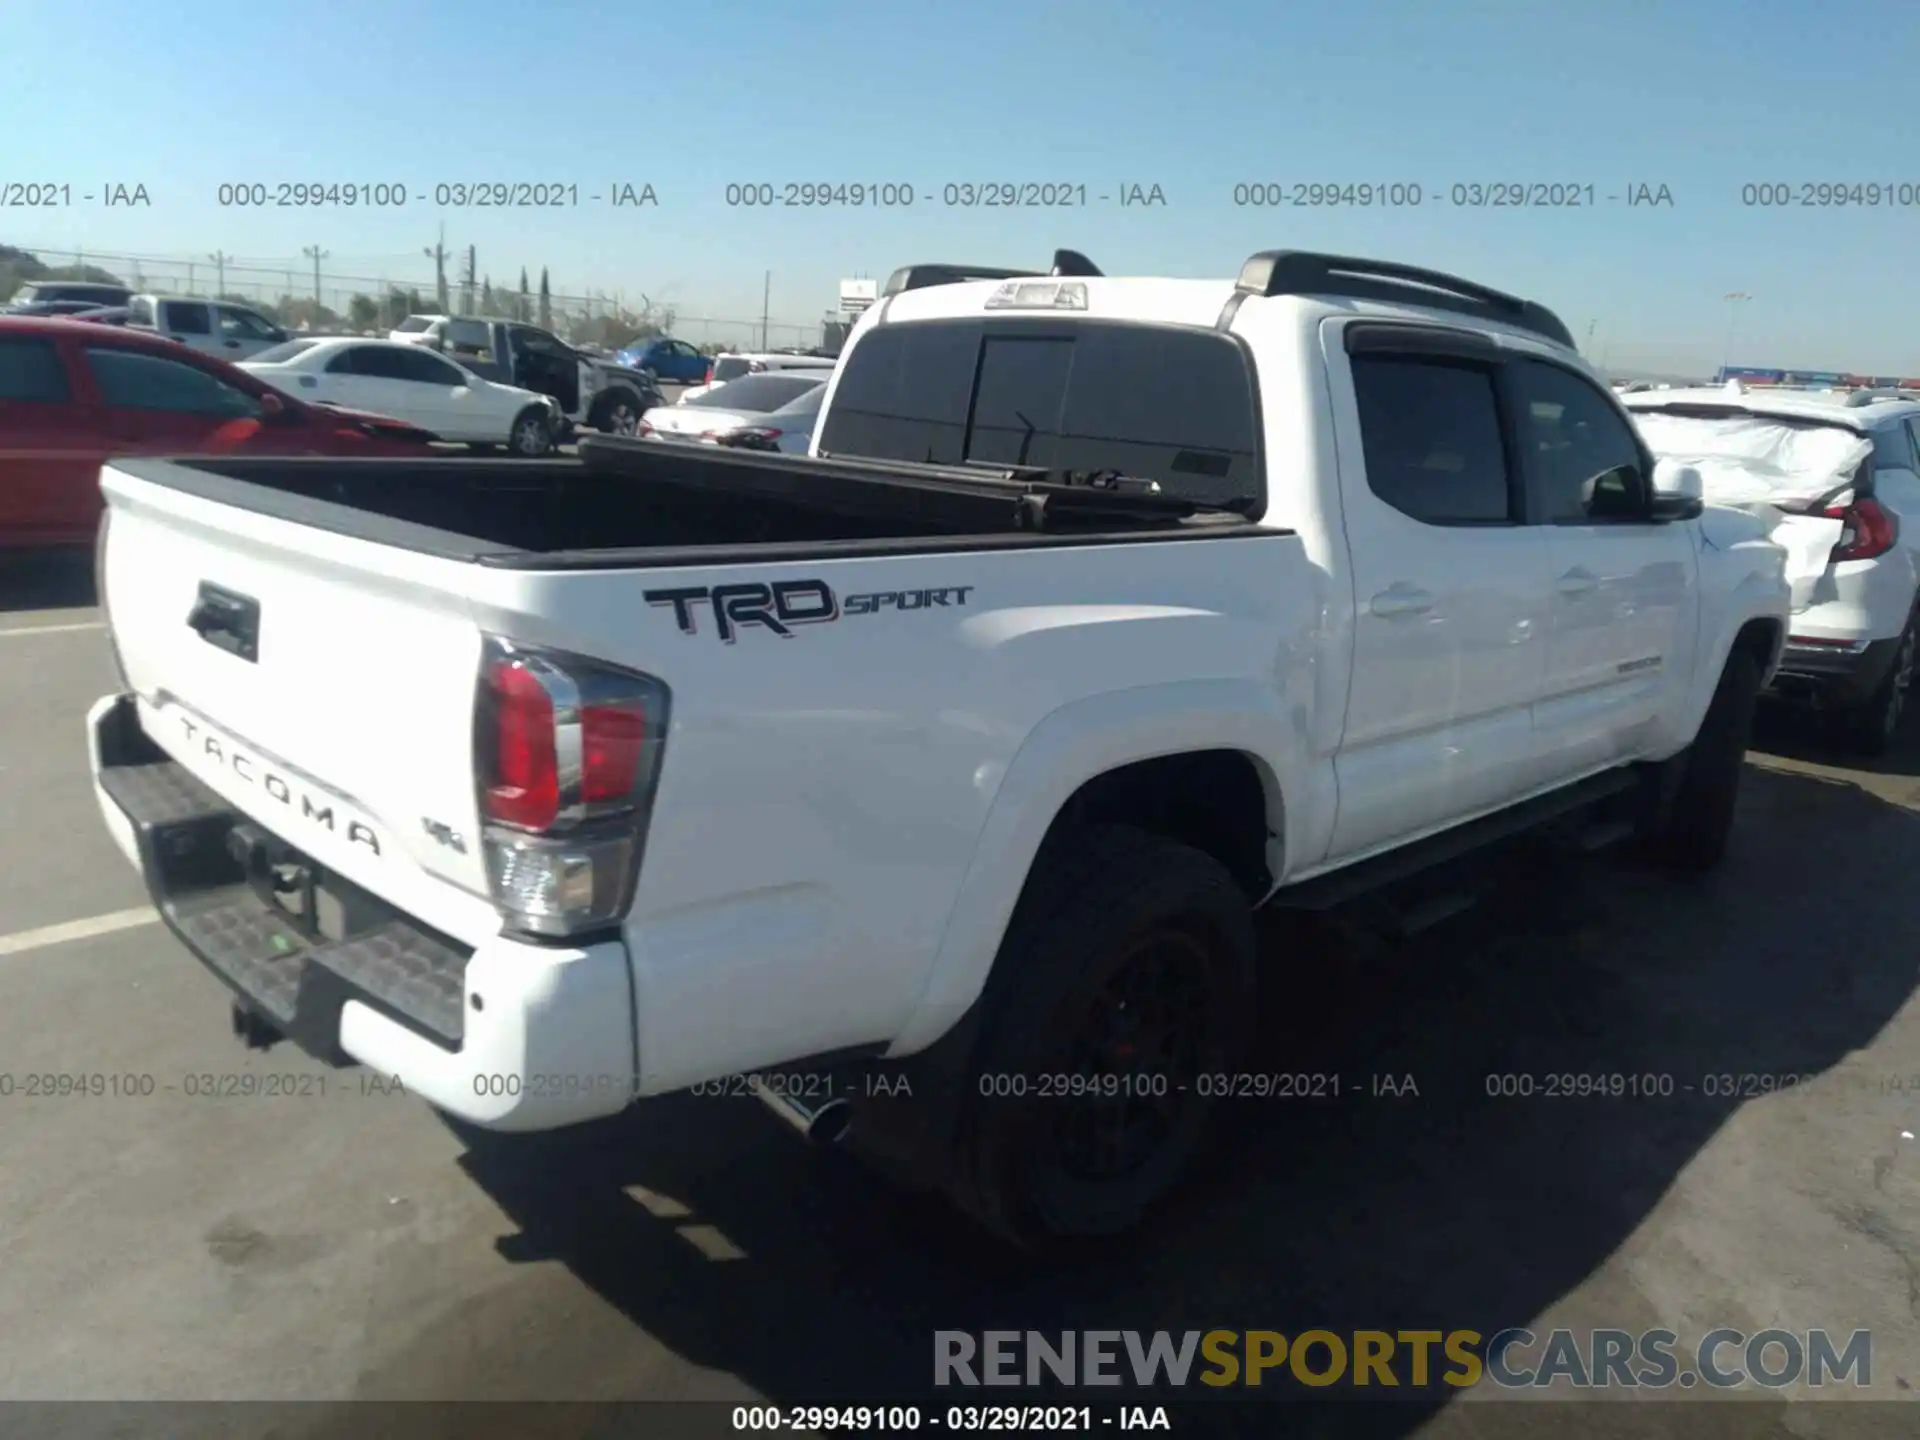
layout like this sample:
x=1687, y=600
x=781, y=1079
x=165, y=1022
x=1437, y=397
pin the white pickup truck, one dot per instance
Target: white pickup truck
x=923, y=787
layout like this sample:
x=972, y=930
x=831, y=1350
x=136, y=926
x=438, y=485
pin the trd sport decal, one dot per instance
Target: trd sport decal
x=784, y=604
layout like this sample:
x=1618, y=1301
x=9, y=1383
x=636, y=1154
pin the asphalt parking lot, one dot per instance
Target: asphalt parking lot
x=353, y=1245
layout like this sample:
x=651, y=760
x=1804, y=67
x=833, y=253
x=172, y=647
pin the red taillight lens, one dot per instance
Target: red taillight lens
x=709, y=379
x=1870, y=530
x=645, y=429
x=524, y=788
x=612, y=738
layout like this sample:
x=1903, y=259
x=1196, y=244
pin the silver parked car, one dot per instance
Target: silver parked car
x=747, y=403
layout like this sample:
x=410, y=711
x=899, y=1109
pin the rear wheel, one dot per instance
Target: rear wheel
x=1127, y=975
x=616, y=415
x=1691, y=834
x=1872, y=727
x=532, y=434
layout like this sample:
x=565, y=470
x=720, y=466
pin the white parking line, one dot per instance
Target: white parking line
x=25, y=940
x=53, y=629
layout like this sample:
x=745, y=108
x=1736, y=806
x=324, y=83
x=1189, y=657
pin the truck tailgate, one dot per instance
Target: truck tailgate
x=346, y=726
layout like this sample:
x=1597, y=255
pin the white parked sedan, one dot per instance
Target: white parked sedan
x=411, y=383
x=741, y=402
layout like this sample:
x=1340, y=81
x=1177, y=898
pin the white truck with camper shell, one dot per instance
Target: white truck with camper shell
x=924, y=786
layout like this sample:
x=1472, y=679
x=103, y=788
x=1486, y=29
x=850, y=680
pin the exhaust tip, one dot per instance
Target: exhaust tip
x=829, y=1123
x=821, y=1125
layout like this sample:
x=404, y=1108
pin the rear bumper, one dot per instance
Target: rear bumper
x=1830, y=676
x=509, y=1036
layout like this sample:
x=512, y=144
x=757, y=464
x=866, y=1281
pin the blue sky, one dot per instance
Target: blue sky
x=1194, y=97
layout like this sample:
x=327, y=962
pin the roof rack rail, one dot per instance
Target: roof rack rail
x=919, y=277
x=1306, y=272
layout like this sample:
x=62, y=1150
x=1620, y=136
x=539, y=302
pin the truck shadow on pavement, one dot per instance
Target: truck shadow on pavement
x=793, y=1270
x=46, y=580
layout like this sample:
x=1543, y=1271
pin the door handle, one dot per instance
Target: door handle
x=1577, y=581
x=233, y=344
x=1401, y=600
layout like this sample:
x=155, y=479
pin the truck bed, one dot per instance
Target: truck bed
x=627, y=503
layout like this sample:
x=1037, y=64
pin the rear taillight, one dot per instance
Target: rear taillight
x=709, y=379
x=750, y=437
x=643, y=429
x=1868, y=530
x=567, y=752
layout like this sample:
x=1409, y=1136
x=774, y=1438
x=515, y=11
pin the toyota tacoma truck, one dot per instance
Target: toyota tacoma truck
x=924, y=786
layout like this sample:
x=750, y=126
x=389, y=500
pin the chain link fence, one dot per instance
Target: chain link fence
x=300, y=298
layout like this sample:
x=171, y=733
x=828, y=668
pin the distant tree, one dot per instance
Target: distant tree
x=302, y=312
x=525, y=311
x=486, y=296
x=546, y=300
x=363, y=312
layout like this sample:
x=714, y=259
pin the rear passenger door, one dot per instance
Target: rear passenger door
x=1450, y=588
x=1625, y=594
x=51, y=448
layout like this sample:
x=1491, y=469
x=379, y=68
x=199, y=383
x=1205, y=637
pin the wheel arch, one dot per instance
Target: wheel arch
x=1208, y=765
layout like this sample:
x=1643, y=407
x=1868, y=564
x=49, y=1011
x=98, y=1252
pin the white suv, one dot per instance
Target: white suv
x=1837, y=473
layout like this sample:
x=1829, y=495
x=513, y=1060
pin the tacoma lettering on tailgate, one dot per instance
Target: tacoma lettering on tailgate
x=289, y=793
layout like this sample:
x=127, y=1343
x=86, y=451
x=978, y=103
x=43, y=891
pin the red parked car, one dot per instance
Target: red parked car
x=73, y=395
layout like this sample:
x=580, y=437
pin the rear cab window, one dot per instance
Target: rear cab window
x=1169, y=404
x=729, y=367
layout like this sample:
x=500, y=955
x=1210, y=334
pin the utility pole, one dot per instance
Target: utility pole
x=189, y=277
x=466, y=282
x=219, y=259
x=766, y=301
x=438, y=254
x=315, y=254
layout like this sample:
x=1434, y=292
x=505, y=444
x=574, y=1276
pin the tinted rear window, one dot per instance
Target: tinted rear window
x=1159, y=403
x=30, y=370
x=760, y=392
x=413, y=325
x=729, y=367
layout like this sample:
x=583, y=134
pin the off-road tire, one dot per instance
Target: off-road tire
x=1871, y=727
x=1099, y=899
x=1690, y=835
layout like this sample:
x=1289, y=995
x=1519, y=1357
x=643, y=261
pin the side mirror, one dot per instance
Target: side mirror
x=1678, y=493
